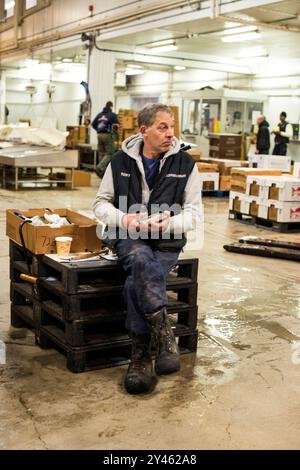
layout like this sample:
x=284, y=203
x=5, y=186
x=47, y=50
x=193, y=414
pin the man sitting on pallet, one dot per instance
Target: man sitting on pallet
x=150, y=175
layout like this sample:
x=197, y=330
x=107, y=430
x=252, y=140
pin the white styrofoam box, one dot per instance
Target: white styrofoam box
x=241, y=197
x=287, y=211
x=296, y=172
x=288, y=187
x=271, y=162
x=257, y=200
x=210, y=177
x=260, y=180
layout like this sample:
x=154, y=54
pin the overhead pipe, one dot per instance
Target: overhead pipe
x=291, y=29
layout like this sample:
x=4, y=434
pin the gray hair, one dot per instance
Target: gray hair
x=146, y=116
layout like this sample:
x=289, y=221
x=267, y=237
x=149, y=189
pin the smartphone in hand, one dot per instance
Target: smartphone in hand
x=155, y=218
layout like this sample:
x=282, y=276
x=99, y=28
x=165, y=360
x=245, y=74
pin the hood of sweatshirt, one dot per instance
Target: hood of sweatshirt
x=132, y=146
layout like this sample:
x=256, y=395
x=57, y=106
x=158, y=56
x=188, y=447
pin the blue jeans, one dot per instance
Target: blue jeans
x=145, y=286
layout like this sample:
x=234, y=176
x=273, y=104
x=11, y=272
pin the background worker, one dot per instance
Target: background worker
x=283, y=133
x=149, y=173
x=106, y=124
x=263, y=136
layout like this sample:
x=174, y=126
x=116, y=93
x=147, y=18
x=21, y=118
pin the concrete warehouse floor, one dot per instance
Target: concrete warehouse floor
x=242, y=390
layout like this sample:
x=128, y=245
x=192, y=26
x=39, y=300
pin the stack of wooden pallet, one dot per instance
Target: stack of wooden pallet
x=77, y=307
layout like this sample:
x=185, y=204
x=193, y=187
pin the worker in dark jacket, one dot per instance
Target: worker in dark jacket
x=263, y=136
x=283, y=133
x=106, y=124
x=150, y=175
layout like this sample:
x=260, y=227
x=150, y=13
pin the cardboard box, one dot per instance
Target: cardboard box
x=81, y=178
x=296, y=170
x=207, y=167
x=225, y=165
x=127, y=122
x=282, y=211
x=209, y=177
x=127, y=134
x=175, y=111
x=277, y=162
x=196, y=154
x=256, y=186
x=41, y=239
x=238, y=202
x=239, y=177
x=225, y=182
x=283, y=188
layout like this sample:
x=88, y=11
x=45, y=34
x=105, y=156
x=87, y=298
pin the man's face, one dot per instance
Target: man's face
x=158, y=137
x=260, y=120
x=282, y=118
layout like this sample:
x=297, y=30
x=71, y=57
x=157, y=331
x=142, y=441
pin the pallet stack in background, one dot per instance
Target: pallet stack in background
x=271, y=198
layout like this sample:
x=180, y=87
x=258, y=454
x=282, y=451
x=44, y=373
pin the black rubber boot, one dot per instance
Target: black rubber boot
x=167, y=357
x=140, y=377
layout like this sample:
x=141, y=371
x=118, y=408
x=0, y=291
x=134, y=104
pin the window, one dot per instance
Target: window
x=9, y=7
x=30, y=4
x=29, y=7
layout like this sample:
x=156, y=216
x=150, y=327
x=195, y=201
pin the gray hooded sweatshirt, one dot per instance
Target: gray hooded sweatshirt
x=188, y=219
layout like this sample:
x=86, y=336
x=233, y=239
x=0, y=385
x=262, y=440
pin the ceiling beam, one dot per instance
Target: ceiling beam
x=183, y=14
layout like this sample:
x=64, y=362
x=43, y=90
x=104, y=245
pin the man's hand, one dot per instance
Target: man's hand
x=256, y=152
x=149, y=225
x=131, y=221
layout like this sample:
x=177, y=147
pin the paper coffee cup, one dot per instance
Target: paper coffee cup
x=63, y=245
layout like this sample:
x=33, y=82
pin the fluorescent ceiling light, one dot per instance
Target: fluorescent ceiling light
x=239, y=29
x=163, y=42
x=241, y=37
x=231, y=24
x=252, y=52
x=166, y=48
x=179, y=67
x=134, y=72
x=31, y=62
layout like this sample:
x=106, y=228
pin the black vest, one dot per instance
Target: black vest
x=167, y=191
x=280, y=139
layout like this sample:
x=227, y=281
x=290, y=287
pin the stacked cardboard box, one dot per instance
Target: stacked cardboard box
x=281, y=201
x=207, y=167
x=224, y=169
x=128, y=124
x=209, y=176
x=175, y=110
x=195, y=153
x=77, y=135
x=239, y=177
x=270, y=197
x=225, y=146
x=270, y=161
